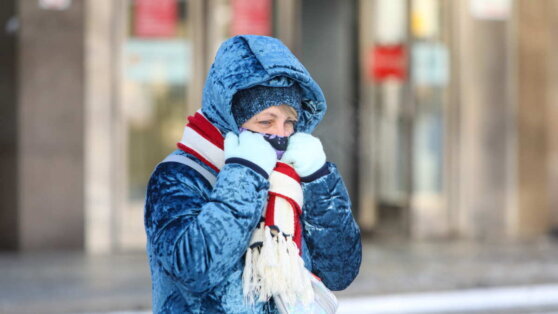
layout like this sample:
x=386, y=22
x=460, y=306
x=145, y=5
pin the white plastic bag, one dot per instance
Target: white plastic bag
x=324, y=302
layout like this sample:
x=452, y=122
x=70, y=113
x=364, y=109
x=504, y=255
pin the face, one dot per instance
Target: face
x=277, y=120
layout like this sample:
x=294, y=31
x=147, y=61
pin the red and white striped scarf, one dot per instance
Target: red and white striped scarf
x=273, y=263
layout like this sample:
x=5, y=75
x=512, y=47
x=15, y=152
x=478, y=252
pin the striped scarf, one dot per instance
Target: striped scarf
x=273, y=263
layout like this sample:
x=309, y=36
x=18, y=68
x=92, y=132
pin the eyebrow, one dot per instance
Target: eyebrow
x=273, y=115
x=270, y=114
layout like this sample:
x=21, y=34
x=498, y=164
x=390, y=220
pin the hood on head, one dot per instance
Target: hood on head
x=249, y=60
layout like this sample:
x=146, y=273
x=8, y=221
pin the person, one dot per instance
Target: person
x=247, y=205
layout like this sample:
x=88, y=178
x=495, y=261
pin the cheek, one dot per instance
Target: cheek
x=289, y=129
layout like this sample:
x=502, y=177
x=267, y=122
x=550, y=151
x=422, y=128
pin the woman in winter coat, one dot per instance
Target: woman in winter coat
x=247, y=212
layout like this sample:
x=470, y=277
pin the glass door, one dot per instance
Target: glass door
x=405, y=77
x=155, y=78
x=429, y=87
x=386, y=117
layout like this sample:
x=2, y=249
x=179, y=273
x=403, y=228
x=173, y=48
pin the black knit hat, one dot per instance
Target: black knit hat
x=248, y=102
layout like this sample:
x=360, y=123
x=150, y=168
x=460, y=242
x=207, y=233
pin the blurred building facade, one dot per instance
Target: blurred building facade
x=440, y=113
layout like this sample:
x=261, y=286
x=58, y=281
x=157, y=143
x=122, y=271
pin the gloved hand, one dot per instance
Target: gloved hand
x=251, y=147
x=305, y=153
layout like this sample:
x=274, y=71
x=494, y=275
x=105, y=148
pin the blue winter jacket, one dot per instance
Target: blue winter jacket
x=198, y=234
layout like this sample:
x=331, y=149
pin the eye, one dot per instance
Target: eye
x=265, y=122
x=292, y=122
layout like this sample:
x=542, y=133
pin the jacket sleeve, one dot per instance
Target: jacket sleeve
x=198, y=235
x=330, y=231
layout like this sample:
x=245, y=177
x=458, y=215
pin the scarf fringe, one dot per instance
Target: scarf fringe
x=273, y=266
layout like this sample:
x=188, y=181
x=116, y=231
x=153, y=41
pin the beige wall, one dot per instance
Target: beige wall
x=533, y=55
x=552, y=116
x=501, y=147
x=50, y=136
x=506, y=134
x=102, y=37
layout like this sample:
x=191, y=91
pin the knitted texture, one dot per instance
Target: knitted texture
x=248, y=102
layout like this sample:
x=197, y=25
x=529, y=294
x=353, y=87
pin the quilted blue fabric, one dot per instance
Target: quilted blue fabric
x=197, y=234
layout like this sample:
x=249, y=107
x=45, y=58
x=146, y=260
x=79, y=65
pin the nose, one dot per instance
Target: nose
x=283, y=130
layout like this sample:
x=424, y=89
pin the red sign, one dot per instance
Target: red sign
x=388, y=62
x=155, y=18
x=251, y=17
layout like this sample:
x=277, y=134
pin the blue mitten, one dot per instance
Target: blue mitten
x=251, y=147
x=305, y=153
